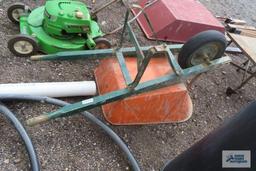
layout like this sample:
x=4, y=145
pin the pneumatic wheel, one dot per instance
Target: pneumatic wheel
x=23, y=45
x=202, y=48
x=16, y=10
x=102, y=43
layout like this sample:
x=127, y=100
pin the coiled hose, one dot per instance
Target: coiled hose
x=24, y=136
x=133, y=162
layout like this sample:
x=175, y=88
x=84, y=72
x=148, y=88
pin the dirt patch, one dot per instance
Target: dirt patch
x=75, y=144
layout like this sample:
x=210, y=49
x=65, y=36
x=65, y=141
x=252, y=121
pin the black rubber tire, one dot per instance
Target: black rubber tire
x=102, y=41
x=22, y=37
x=198, y=41
x=13, y=7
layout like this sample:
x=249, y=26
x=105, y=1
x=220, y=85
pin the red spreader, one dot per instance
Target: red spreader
x=177, y=20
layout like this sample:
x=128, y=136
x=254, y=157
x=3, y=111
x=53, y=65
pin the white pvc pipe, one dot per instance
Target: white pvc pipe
x=53, y=89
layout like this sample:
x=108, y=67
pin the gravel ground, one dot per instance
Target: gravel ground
x=75, y=144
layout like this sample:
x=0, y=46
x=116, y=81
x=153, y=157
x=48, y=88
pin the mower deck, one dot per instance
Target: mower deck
x=33, y=25
x=60, y=25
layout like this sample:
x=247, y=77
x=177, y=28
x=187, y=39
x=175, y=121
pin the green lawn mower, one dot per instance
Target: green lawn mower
x=59, y=25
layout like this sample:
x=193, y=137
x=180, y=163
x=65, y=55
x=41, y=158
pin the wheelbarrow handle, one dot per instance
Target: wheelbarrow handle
x=38, y=120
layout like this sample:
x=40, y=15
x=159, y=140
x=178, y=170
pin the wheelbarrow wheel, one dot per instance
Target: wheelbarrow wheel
x=202, y=48
x=23, y=45
x=102, y=43
x=15, y=11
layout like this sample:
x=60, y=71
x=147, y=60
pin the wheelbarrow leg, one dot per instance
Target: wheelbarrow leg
x=246, y=70
x=231, y=91
x=241, y=67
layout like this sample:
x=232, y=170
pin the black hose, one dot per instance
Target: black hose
x=24, y=136
x=89, y=116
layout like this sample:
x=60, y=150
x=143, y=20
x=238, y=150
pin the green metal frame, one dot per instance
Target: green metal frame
x=133, y=87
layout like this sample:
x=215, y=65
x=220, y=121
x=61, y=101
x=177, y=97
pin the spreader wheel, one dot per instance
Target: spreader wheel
x=23, y=45
x=202, y=48
x=102, y=43
x=15, y=11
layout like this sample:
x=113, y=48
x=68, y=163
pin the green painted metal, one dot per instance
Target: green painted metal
x=133, y=87
x=124, y=29
x=73, y=17
x=139, y=52
x=173, y=62
x=142, y=67
x=124, y=69
x=97, y=54
x=163, y=81
x=61, y=25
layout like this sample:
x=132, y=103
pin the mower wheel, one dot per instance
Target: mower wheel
x=202, y=48
x=15, y=11
x=102, y=43
x=23, y=45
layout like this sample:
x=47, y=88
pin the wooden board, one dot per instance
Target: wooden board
x=249, y=33
x=242, y=27
x=237, y=22
x=246, y=44
x=228, y=20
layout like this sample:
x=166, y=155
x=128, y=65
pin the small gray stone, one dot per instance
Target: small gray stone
x=18, y=160
x=7, y=161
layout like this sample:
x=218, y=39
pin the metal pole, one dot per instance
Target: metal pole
x=124, y=28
